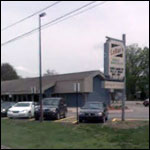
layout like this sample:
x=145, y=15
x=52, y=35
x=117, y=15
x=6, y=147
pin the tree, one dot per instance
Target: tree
x=143, y=78
x=137, y=72
x=8, y=72
x=50, y=72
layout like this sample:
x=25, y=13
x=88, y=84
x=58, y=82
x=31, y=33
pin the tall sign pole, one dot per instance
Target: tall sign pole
x=115, y=67
x=124, y=91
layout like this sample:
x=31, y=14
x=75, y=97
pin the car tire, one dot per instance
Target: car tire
x=65, y=115
x=107, y=118
x=80, y=120
x=58, y=116
x=30, y=116
x=36, y=118
x=104, y=120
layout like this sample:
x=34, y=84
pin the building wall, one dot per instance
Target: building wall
x=49, y=92
x=67, y=86
x=71, y=99
x=99, y=93
x=20, y=97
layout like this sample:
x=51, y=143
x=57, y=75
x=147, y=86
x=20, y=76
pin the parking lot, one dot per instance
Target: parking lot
x=136, y=111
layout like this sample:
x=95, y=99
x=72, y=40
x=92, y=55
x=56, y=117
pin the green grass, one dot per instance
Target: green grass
x=50, y=135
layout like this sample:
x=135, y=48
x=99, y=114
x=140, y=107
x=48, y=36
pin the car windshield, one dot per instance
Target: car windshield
x=22, y=105
x=52, y=102
x=93, y=106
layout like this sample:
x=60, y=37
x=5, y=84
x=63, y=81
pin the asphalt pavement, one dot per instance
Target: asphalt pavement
x=135, y=110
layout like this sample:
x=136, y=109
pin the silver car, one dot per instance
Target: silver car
x=21, y=110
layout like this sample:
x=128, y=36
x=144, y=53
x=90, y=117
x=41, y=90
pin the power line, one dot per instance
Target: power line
x=78, y=13
x=5, y=28
x=32, y=31
x=54, y=21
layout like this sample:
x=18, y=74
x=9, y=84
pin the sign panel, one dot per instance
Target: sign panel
x=33, y=90
x=113, y=85
x=114, y=59
x=76, y=87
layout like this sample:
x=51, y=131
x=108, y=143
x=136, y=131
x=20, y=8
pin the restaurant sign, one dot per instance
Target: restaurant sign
x=114, y=59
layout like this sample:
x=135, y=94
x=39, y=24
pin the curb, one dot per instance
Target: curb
x=64, y=119
x=131, y=119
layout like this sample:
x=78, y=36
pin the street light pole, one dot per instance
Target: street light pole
x=40, y=68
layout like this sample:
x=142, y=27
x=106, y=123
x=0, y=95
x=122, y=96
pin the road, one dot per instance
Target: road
x=136, y=111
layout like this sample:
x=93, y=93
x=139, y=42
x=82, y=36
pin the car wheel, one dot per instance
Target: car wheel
x=65, y=115
x=30, y=115
x=80, y=120
x=58, y=116
x=104, y=120
x=36, y=118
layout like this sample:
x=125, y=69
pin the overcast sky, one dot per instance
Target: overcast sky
x=75, y=44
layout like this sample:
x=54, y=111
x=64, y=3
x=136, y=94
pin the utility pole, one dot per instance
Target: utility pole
x=124, y=90
x=40, y=68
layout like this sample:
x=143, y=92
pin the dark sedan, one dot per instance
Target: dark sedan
x=53, y=108
x=4, y=108
x=93, y=111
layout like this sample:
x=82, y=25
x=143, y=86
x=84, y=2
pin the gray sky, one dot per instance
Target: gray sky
x=75, y=44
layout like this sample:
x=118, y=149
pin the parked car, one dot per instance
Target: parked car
x=146, y=102
x=93, y=111
x=21, y=110
x=53, y=108
x=5, y=106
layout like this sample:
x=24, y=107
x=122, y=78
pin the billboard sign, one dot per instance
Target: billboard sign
x=113, y=85
x=77, y=87
x=114, y=59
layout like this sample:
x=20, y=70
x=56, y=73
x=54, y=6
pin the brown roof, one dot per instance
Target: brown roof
x=62, y=83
